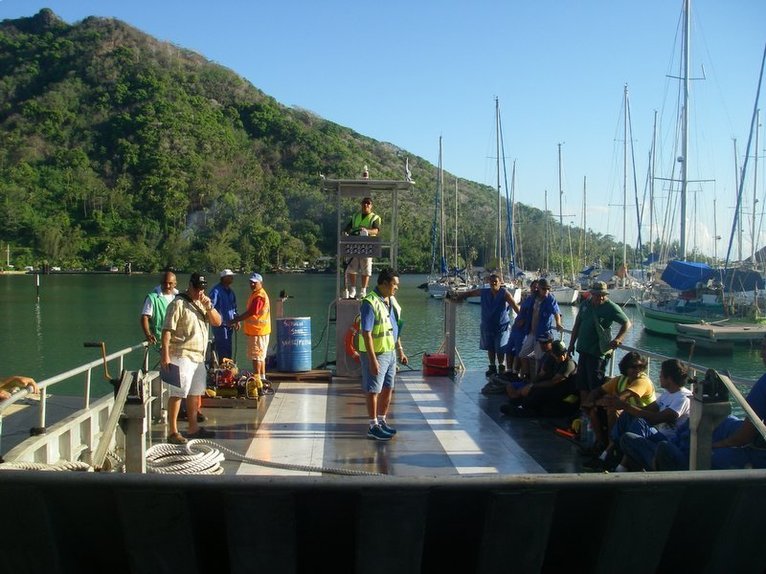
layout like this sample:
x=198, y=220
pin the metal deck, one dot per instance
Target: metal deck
x=446, y=428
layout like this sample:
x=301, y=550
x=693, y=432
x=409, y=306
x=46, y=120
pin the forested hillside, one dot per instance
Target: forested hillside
x=115, y=147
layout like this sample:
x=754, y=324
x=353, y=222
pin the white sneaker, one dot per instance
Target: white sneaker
x=362, y=293
x=352, y=293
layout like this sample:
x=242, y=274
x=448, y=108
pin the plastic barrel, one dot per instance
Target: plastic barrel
x=294, y=344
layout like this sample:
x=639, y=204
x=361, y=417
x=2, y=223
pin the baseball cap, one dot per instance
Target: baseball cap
x=198, y=280
x=558, y=348
x=227, y=273
x=256, y=277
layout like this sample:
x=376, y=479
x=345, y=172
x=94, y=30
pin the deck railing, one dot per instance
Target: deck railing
x=86, y=369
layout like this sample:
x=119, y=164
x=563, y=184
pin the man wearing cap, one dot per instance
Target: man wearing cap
x=549, y=394
x=543, y=316
x=363, y=222
x=225, y=302
x=257, y=326
x=184, y=341
x=592, y=335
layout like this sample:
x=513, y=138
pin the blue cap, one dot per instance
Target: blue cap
x=256, y=277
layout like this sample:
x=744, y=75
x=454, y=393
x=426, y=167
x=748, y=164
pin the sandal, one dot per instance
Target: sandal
x=176, y=438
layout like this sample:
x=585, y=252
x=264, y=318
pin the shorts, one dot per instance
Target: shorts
x=492, y=340
x=257, y=345
x=193, y=378
x=386, y=372
x=360, y=265
x=515, y=342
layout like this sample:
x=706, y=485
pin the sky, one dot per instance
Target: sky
x=410, y=71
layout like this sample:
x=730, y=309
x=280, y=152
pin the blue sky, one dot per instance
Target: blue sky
x=407, y=72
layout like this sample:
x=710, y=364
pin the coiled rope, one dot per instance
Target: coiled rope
x=198, y=456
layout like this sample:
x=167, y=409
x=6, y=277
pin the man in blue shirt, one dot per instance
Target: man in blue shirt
x=380, y=324
x=225, y=302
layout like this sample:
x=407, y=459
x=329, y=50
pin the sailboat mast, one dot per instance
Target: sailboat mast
x=651, y=185
x=624, y=181
x=685, y=127
x=456, y=262
x=561, y=211
x=755, y=186
x=499, y=244
x=442, y=233
x=585, y=220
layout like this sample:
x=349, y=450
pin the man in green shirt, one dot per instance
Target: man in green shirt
x=593, y=337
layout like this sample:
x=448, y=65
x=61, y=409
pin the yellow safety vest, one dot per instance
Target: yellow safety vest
x=382, y=330
x=358, y=220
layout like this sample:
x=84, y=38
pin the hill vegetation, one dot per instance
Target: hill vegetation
x=115, y=148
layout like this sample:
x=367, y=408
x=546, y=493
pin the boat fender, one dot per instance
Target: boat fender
x=349, y=340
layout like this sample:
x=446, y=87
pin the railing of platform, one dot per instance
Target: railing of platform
x=87, y=369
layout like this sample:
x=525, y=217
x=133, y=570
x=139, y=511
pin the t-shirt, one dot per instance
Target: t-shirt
x=641, y=386
x=563, y=368
x=148, y=309
x=606, y=313
x=680, y=402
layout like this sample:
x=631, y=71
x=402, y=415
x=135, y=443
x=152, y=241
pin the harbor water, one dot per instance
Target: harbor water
x=43, y=336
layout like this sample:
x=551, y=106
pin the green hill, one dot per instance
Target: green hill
x=116, y=147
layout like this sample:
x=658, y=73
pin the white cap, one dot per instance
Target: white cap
x=256, y=277
x=227, y=273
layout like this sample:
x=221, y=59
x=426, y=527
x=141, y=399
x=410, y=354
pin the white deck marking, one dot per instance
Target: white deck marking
x=478, y=445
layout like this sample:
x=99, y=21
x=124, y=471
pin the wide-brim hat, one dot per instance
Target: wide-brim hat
x=599, y=288
x=227, y=273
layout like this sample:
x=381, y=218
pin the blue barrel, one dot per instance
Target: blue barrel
x=294, y=344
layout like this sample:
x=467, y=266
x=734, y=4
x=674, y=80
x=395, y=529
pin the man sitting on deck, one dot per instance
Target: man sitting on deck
x=639, y=430
x=549, y=394
x=736, y=443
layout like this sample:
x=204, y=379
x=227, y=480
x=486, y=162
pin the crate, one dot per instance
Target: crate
x=436, y=364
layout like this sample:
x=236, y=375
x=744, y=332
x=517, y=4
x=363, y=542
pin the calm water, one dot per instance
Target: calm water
x=45, y=337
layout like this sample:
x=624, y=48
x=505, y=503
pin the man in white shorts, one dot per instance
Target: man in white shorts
x=184, y=341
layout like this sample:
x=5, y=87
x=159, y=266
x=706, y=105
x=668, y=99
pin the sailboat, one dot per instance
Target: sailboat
x=508, y=282
x=443, y=280
x=624, y=289
x=697, y=314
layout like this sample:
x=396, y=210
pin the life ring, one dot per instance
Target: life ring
x=348, y=341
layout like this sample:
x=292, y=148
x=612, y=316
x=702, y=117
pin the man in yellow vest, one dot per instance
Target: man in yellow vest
x=379, y=344
x=364, y=222
x=257, y=326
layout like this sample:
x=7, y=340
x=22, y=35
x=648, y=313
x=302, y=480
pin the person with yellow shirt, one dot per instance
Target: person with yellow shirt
x=632, y=386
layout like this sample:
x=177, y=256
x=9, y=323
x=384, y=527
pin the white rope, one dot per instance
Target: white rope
x=194, y=457
x=58, y=466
